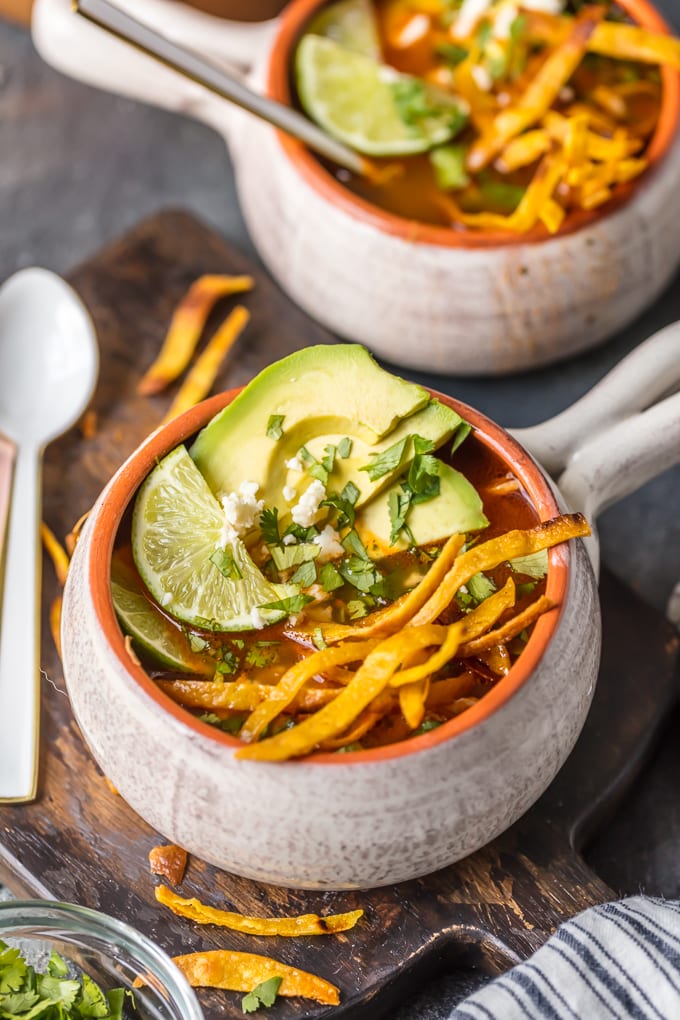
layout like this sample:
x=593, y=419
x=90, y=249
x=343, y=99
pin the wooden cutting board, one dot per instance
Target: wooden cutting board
x=80, y=842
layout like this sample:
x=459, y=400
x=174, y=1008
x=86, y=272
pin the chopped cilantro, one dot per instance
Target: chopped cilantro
x=263, y=994
x=345, y=448
x=534, y=565
x=356, y=609
x=292, y=604
x=328, y=459
x=287, y=556
x=274, y=429
x=232, y=724
x=426, y=726
x=318, y=639
x=460, y=435
x=451, y=53
x=353, y=544
x=344, y=503
x=238, y=642
x=502, y=196
x=484, y=34
x=305, y=574
x=25, y=994
x=526, y=589
x=269, y=525
x=348, y=748
x=448, y=163
x=261, y=654
x=329, y=578
x=196, y=643
x=414, y=103
x=318, y=471
x=229, y=663
x=386, y=462
x=226, y=564
x=399, y=504
x=480, y=587
x=301, y=534
x=423, y=477
x=517, y=28
x=360, y=573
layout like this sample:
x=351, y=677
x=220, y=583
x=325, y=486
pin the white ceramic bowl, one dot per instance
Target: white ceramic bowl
x=417, y=295
x=374, y=817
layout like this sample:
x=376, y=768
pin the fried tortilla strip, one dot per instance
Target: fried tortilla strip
x=552, y=215
x=241, y=972
x=401, y=611
x=55, y=623
x=509, y=630
x=200, y=379
x=237, y=695
x=365, y=723
x=497, y=550
x=597, y=147
x=71, y=539
x=292, y=682
x=412, y=698
x=304, y=924
x=541, y=93
x=628, y=42
x=537, y=196
x=370, y=680
x=169, y=861
x=444, y=692
x=186, y=327
x=524, y=151
x=56, y=552
x=496, y=605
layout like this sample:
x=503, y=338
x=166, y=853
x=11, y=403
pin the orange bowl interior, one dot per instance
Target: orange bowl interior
x=292, y=24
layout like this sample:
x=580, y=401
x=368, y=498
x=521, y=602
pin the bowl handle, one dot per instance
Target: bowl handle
x=619, y=435
x=80, y=49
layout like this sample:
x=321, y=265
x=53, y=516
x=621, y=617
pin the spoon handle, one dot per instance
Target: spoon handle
x=20, y=634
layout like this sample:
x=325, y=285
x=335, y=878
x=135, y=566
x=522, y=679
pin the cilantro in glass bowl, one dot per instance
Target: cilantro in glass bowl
x=60, y=961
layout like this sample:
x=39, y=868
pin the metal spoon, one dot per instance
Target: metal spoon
x=201, y=70
x=48, y=369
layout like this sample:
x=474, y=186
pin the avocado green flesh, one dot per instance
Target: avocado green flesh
x=322, y=393
x=455, y=511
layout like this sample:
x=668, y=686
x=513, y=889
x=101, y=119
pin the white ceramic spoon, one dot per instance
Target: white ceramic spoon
x=48, y=369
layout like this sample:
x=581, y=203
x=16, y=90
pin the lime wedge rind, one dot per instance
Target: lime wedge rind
x=352, y=97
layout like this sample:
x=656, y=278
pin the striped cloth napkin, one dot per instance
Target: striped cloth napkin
x=619, y=960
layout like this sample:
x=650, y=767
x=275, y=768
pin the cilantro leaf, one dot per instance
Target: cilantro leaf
x=357, y=609
x=263, y=994
x=288, y=556
x=399, y=504
x=344, y=503
x=329, y=578
x=92, y=1002
x=448, y=163
x=318, y=639
x=57, y=966
x=480, y=587
x=534, y=565
x=353, y=544
x=345, y=448
x=423, y=477
x=360, y=573
x=274, y=429
x=452, y=54
x=386, y=462
x=305, y=574
x=196, y=643
x=292, y=604
x=269, y=525
x=328, y=459
x=229, y=663
x=12, y=969
x=226, y=564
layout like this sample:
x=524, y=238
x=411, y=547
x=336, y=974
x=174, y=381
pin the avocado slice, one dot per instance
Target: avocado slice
x=319, y=393
x=456, y=510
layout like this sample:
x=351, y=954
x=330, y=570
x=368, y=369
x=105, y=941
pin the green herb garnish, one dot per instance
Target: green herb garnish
x=480, y=587
x=318, y=639
x=226, y=564
x=448, y=163
x=292, y=604
x=451, y=53
x=386, y=462
x=274, y=429
x=345, y=448
x=305, y=575
x=329, y=578
x=287, y=556
x=263, y=995
x=344, y=503
x=269, y=525
x=534, y=565
x=353, y=544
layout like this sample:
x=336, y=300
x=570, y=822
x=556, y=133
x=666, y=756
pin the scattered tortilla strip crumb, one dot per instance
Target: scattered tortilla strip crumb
x=200, y=379
x=241, y=972
x=111, y=787
x=55, y=623
x=186, y=327
x=88, y=424
x=304, y=924
x=71, y=539
x=56, y=552
x=130, y=650
x=169, y=861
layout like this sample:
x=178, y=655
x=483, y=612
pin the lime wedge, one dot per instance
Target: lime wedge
x=369, y=106
x=176, y=529
x=351, y=24
x=153, y=636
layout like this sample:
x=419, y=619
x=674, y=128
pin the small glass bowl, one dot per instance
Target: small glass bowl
x=112, y=953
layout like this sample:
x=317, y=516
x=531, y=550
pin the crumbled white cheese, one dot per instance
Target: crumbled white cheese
x=167, y=598
x=241, y=511
x=305, y=510
x=257, y=619
x=295, y=464
x=503, y=22
x=289, y=493
x=468, y=16
x=388, y=74
x=416, y=28
x=329, y=543
x=289, y=540
x=482, y=78
x=545, y=6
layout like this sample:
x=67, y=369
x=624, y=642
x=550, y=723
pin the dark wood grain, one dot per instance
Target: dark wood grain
x=81, y=842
